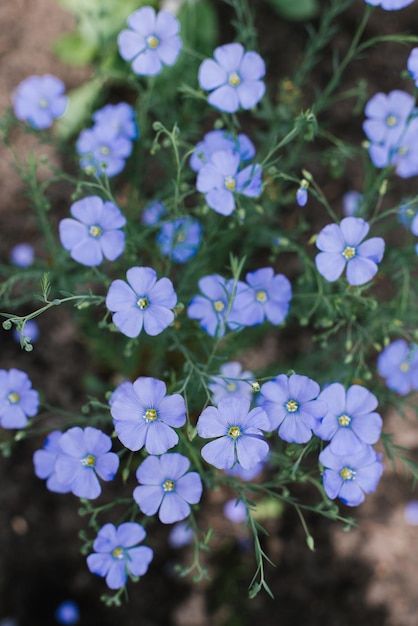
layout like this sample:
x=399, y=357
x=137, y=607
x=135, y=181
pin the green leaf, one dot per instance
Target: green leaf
x=191, y=17
x=74, y=49
x=81, y=102
x=297, y=10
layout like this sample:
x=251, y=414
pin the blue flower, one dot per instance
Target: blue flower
x=44, y=461
x=180, y=239
x=388, y=115
x=145, y=416
x=39, y=100
x=119, y=117
x=18, y=400
x=166, y=486
x=180, y=535
x=414, y=229
x=84, y=456
x=67, y=612
x=219, y=180
x=235, y=511
x=352, y=203
x=142, y=302
x=341, y=246
x=350, y=476
x=238, y=433
x=412, y=65
x=214, y=307
x=232, y=382
x=292, y=406
x=390, y=5
x=22, y=255
x=102, y=150
x=219, y=140
x=411, y=513
x=153, y=213
x=94, y=233
x=117, y=553
x=402, y=154
x=351, y=420
x=267, y=296
x=398, y=364
x=234, y=78
x=302, y=196
x=30, y=332
x=407, y=212
x=151, y=42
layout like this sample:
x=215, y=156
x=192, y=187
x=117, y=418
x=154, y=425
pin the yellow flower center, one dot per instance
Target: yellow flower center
x=105, y=150
x=150, y=415
x=349, y=252
x=347, y=473
x=13, y=397
x=391, y=120
x=292, y=406
x=169, y=485
x=179, y=237
x=230, y=183
x=218, y=305
x=43, y=103
x=261, y=296
x=403, y=150
x=344, y=420
x=95, y=231
x=88, y=461
x=142, y=303
x=234, y=432
x=118, y=553
x=231, y=386
x=404, y=367
x=233, y=79
x=152, y=41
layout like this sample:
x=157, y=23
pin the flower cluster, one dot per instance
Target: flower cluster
x=398, y=365
x=39, y=100
x=392, y=131
x=104, y=148
x=72, y=461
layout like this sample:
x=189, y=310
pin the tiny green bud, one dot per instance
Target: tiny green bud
x=348, y=359
x=28, y=347
x=348, y=345
x=383, y=188
x=7, y=324
x=219, y=124
x=307, y=175
x=255, y=386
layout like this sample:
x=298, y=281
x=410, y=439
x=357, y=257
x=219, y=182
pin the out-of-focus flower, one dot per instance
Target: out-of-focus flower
x=102, y=150
x=153, y=213
x=219, y=140
x=18, y=400
x=39, y=100
x=235, y=511
x=412, y=65
x=398, y=364
x=390, y=5
x=151, y=41
x=233, y=381
x=67, y=613
x=341, y=245
x=117, y=553
x=22, y=255
x=120, y=117
x=142, y=302
x=180, y=239
x=233, y=78
x=30, y=332
x=180, y=535
x=411, y=513
x=95, y=232
x=351, y=203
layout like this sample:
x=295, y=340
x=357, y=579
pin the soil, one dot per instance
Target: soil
x=365, y=577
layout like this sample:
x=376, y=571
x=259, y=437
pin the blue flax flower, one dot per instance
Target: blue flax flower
x=352, y=203
x=219, y=140
x=302, y=196
x=387, y=116
x=103, y=150
x=233, y=381
x=120, y=117
x=401, y=154
x=151, y=42
x=67, y=613
x=351, y=420
x=238, y=433
x=180, y=535
x=18, y=400
x=180, y=239
x=117, y=553
x=341, y=246
x=292, y=406
x=412, y=65
x=390, y=5
x=44, y=461
x=153, y=213
x=94, y=233
x=235, y=511
x=84, y=456
x=214, y=306
x=407, y=212
x=39, y=100
x=220, y=179
x=145, y=416
x=22, y=255
x=233, y=78
x=168, y=487
x=398, y=364
x=142, y=302
x=266, y=296
x=30, y=332
x=414, y=229
x=350, y=476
